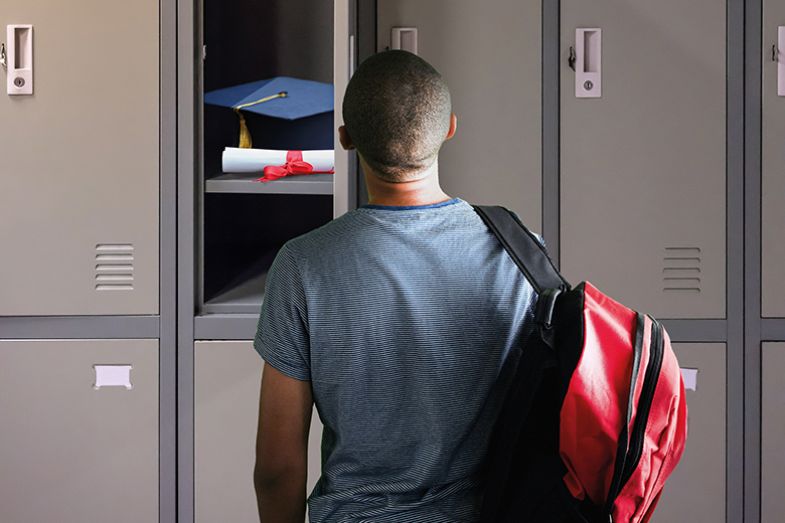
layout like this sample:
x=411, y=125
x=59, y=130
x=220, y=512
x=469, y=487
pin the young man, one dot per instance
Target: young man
x=395, y=319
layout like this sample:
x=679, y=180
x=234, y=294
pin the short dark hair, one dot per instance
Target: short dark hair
x=397, y=112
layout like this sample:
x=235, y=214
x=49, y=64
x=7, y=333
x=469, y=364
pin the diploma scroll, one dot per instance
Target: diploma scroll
x=236, y=160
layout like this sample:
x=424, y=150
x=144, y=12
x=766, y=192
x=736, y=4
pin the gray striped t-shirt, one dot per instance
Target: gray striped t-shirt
x=401, y=318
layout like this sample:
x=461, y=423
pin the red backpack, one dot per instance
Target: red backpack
x=594, y=418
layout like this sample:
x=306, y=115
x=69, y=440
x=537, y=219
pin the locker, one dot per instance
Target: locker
x=79, y=200
x=773, y=161
x=493, y=67
x=243, y=223
x=226, y=377
x=773, y=433
x=696, y=490
x=72, y=452
x=643, y=183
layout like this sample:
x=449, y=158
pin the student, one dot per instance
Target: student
x=395, y=320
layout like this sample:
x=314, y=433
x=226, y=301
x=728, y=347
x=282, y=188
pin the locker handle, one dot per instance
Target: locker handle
x=776, y=56
x=587, y=60
x=19, y=59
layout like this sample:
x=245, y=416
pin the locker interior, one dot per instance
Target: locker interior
x=243, y=223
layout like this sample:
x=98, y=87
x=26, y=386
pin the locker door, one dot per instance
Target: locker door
x=226, y=377
x=643, y=166
x=72, y=453
x=773, y=433
x=773, y=162
x=79, y=171
x=493, y=67
x=696, y=490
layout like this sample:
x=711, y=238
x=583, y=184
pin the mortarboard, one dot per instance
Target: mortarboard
x=282, y=98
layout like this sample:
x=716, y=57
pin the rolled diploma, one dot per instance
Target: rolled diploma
x=236, y=160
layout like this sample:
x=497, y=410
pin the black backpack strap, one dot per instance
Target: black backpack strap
x=523, y=247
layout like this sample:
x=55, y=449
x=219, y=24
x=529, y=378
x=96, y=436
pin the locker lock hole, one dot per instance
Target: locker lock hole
x=588, y=84
x=19, y=81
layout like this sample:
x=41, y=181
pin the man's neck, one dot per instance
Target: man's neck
x=423, y=191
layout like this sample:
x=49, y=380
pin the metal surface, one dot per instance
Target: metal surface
x=773, y=433
x=238, y=183
x=227, y=377
x=343, y=59
x=189, y=45
x=93, y=327
x=696, y=490
x=167, y=362
x=697, y=330
x=772, y=330
x=226, y=326
x=70, y=453
x=736, y=308
x=551, y=108
x=772, y=163
x=80, y=163
x=750, y=362
x=643, y=168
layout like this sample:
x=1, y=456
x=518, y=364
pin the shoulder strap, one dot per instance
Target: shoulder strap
x=523, y=247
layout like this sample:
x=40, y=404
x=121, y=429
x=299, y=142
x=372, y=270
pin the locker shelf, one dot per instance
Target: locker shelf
x=244, y=298
x=244, y=183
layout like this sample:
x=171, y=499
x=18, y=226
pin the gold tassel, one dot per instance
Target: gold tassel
x=245, y=141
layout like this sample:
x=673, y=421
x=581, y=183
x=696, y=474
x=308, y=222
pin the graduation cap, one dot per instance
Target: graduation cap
x=303, y=108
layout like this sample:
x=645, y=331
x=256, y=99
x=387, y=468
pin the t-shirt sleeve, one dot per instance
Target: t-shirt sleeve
x=282, y=337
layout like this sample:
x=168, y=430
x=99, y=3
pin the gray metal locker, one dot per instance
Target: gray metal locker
x=227, y=378
x=643, y=164
x=80, y=173
x=493, y=68
x=78, y=445
x=773, y=433
x=773, y=160
x=696, y=490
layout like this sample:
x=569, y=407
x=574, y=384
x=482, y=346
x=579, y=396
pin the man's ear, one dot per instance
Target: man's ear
x=453, y=126
x=346, y=140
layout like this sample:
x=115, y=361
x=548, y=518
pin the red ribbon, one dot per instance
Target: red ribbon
x=294, y=165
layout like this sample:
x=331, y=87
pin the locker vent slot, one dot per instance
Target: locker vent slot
x=681, y=270
x=114, y=267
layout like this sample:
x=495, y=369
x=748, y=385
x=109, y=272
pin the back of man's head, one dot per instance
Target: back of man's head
x=397, y=113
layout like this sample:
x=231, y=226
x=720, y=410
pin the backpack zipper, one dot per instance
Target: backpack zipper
x=647, y=396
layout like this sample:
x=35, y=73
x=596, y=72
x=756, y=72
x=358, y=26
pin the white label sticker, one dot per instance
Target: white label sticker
x=690, y=377
x=112, y=376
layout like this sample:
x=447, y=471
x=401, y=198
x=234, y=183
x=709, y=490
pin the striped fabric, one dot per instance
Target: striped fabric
x=401, y=318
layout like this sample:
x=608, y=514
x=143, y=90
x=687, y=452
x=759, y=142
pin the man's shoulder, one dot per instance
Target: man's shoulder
x=330, y=237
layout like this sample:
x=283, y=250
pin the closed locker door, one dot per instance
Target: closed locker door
x=79, y=171
x=643, y=152
x=773, y=433
x=226, y=380
x=773, y=161
x=79, y=445
x=696, y=490
x=490, y=55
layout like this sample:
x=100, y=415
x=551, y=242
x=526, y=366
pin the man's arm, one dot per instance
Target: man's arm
x=280, y=474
